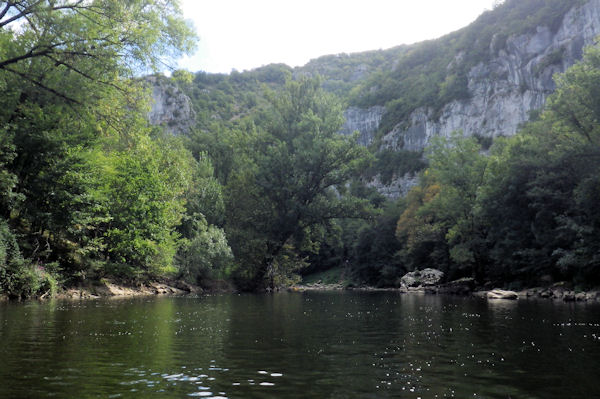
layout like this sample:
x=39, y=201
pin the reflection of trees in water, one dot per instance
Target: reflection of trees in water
x=76, y=349
x=324, y=344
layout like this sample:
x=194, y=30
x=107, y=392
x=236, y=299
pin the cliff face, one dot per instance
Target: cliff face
x=365, y=121
x=504, y=90
x=171, y=107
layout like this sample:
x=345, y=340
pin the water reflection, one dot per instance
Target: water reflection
x=298, y=345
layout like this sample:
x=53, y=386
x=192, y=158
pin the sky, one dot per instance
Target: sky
x=246, y=34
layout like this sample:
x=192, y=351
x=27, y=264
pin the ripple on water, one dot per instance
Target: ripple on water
x=416, y=348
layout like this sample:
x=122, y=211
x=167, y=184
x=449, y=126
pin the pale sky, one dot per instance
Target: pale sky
x=246, y=34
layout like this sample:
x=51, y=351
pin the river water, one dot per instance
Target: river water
x=300, y=345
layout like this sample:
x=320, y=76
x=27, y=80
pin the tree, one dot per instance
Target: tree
x=376, y=257
x=419, y=229
x=441, y=224
x=460, y=168
x=539, y=205
x=297, y=178
x=88, y=42
x=144, y=200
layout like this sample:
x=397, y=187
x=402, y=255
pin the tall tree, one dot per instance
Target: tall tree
x=297, y=179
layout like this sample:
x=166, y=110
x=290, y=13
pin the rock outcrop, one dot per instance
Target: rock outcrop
x=507, y=87
x=365, y=121
x=171, y=107
x=502, y=294
x=397, y=187
x=512, y=80
x=422, y=278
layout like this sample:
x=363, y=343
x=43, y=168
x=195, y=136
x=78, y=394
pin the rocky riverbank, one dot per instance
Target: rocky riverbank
x=429, y=282
x=107, y=288
x=461, y=289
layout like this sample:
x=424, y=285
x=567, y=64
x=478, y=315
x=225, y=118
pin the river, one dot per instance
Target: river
x=300, y=345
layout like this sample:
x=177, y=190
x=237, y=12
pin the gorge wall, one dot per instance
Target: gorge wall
x=504, y=90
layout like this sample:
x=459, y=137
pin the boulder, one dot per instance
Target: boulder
x=462, y=286
x=568, y=296
x=581, y=296
x=422, y=278
x=532, y=292
x=502, y=294
x=592, y=296
x=186, y=287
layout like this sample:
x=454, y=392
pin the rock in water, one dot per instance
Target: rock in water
x=463, y=286
x=502, y=294
x=422, y=278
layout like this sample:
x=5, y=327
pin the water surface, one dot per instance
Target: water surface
x=300, y=345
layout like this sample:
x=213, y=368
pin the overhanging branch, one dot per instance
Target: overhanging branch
x=43, y=86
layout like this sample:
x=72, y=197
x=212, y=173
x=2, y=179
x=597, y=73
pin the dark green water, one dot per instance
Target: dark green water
x=300, y=345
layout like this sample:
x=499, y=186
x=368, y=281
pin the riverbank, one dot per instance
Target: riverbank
x=558, y=292
x=109, y=288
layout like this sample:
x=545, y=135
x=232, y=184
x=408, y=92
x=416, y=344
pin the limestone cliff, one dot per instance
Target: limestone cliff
x=171, y=107
x=506, y=88
x=364, y=121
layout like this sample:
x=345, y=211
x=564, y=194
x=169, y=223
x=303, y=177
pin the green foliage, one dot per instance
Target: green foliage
x=342, y=72
x=330, y=276
x=87, y=43
x=229, y=149
x=458, y=165
x=389, y=164
x=554, y=162
x=18, y=278
x=287, y=187
x=145, y=202
x=87, y=189
x=222, y=101
x=527, y=212
x=74, y=133
x=7, y=179
x=375, y=257
x=205, y=254
x=10, y=254
x=421, y=234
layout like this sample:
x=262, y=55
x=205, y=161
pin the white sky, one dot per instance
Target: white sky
x=245, y=34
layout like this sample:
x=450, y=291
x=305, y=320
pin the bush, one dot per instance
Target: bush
x=204, y=256
x=18, y=277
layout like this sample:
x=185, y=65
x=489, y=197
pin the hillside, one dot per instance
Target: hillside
x=485, y=79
